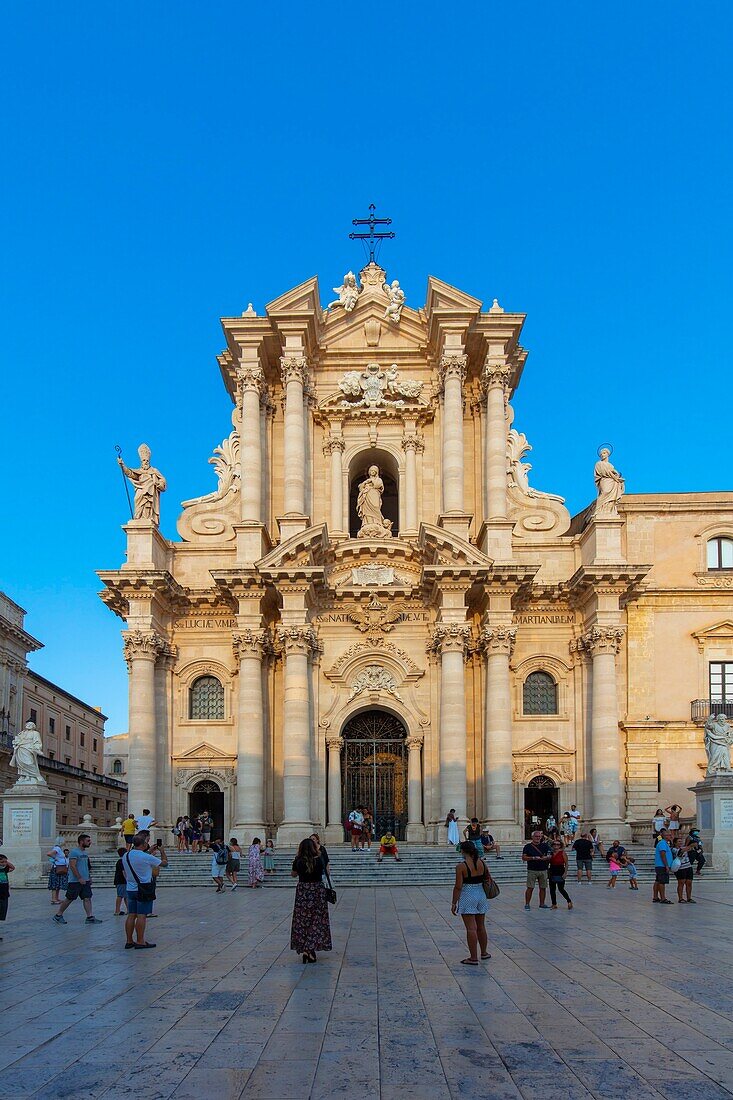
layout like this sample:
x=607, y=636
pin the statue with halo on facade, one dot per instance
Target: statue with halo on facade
x=609, y=483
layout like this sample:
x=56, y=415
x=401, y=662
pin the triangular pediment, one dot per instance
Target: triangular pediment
x=203, y=752
x=304, y=550
x=722, y=630
x=442, y=548
x=442, y=296
x=543, y=747
x=302, y=298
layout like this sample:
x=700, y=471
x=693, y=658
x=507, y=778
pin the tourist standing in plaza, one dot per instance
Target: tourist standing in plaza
x=662, y=864
x=129, y=828
x=658, y=822
x=630, y=865
x=6, y=869
x=234, y=862
x=255, y=870
x=470, y=902
x=583, y=848
x=536, y=855
x=58, y=875
x=120, y=884
x=205, y=827
x=141, y=869
x=80, y=881
x=558, y=871
x=367, y=832
x=451, y=824
x=311, y=928
x=321, y=851
x=356, y=824
x=472, y=833
x=673, y=812
x=685, y=873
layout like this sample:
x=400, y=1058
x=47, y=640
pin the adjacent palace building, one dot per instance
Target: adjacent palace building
x=374, y=607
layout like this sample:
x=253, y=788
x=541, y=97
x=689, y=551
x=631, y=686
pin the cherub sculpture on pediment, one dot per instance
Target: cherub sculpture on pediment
x=348, y=293
x=396, y=295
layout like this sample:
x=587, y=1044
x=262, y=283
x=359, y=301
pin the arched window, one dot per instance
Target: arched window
x=720, y=553
x=206, y=699
x=539, y=694
x=117, y=767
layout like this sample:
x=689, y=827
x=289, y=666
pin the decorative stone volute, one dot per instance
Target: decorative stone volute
x=145, y=644
x=499, y=639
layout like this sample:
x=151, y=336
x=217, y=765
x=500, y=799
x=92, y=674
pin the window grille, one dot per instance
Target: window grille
x=539, y=695
x=206, y=699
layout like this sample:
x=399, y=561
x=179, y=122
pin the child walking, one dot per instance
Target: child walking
x=630, y=863
x=268, y=858
x=614, y=867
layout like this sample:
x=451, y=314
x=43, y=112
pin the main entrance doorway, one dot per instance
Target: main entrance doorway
x=374, y=770
x=207, y=796
x=540, y=800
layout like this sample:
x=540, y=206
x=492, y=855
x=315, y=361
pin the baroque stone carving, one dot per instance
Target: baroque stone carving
x=369, y=508
x=149, y=484
x=599, y=639
x=414, y=742
x=375, y=619
x=248, y=642
x=373, y=574
x=718, y=740
x=517, y=470
x=335, y=742
x=496, y=374
x=449, y=638
x=452, y=364
x=498, y=639
x=348, y=293
x=215, y=514
x=375, y=678
x=610, y=485
x=226, y=776
x=374, y=387
x=141, y=643
x=294, y=369
x=395, y=305
x=27, y=747
x=298, y=640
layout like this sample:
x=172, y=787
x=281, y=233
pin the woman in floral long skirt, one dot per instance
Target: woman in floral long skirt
x=255, y=872
x=311, y=929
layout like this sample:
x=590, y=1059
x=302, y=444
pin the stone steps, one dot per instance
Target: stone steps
x=422, y=865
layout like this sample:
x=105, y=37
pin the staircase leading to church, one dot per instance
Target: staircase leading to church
x=422, y=865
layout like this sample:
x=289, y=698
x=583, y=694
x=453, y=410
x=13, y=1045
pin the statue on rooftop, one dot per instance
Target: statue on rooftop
x=609, y=483
x=348, y=293
x=149, y=484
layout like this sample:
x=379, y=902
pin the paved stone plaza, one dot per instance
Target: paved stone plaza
x=617, y=998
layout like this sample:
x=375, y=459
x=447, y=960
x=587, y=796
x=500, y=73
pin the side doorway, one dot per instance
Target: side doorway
x=541, y=799
x=207, y=796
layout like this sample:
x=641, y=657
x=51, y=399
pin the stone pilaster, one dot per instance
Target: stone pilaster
x=335, y=828
x=250, y=647
x=602, y=645
x=449, y=641
x=141, y=650
x=498, y=644
x=298, y=643
x=496, y=378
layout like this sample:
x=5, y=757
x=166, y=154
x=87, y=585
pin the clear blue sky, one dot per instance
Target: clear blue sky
x=165, y=164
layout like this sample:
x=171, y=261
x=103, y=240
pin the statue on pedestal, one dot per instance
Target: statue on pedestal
x=718, y=741
x=609, y=483
x=396, y=296
x=149, y=484
x=369, y=508
x=27, y=746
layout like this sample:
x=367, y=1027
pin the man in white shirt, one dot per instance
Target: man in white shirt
x=356, y=826
x=146, y=820
x=140, y=868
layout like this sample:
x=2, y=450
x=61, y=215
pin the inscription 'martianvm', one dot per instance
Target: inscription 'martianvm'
x=538, y=618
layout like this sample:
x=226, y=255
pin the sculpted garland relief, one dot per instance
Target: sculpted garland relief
x=375, y=678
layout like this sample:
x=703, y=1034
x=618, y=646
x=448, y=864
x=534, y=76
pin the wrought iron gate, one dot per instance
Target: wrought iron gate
x=374, y=770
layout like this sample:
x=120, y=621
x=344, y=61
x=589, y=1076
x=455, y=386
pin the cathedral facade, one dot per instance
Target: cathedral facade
x=374, y=607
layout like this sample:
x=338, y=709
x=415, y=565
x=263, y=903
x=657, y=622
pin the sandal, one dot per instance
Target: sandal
x=486, y=956
x=469, y=962
x=142, y=946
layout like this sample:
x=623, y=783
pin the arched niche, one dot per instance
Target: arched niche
x=390, y=475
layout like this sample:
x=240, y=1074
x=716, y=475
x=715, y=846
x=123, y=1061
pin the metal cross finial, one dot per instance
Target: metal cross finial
x=374, y=239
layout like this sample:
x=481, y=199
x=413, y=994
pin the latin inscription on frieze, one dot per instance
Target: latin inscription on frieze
x=405, y=617
x=206, y=624
x=540, y=618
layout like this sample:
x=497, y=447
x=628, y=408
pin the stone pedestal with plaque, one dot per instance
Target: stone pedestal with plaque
x=29, y=829
x=714, y=797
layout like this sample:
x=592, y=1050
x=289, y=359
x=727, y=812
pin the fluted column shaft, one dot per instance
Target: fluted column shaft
x=334, y=745
x=602, y=644
x=335, y=447
x=414, y=780
x=141, y=650
x=249, y=809
x=450, y=641
x=298, y=643
x=453, y=370
x=293, y=375
x=250, y=444
x=496, y=379
x=498, y=644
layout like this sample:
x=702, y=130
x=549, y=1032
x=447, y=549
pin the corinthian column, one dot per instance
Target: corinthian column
x=452, y=373
x=335, y=828
x=335, y=448
x=415, y=827
x=250, y=380
x=294, y=370
x=498, y=644
x=141, y=649
x=496, y=379
x=163, y=808
x=602, y=643
x=297, y=642
x=450, y=640
x=411, y=444
x=249, y=810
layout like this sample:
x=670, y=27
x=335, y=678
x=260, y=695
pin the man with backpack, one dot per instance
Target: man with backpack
x=219, y=859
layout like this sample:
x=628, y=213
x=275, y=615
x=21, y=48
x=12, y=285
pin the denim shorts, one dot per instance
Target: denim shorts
x=122, y=891
x=139, y=908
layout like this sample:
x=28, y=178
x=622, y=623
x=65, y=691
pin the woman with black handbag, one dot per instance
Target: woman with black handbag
x=471, y=903
x=311, y=928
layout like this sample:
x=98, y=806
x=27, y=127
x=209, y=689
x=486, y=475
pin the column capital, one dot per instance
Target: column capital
x=450, y=638
x=452, y=364
x=496, y=375
x=498, y=640
x=250, y=643
x=601, y=639
x=298, y=640
x=294, y=368
x=414, y=742
x=335, y=742
x=250, y=378
x=411, y=441
x=144, y=644
x=333, y=443
x=168, y=656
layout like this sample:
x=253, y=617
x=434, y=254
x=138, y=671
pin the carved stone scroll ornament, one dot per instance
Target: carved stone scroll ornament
x=294, y=369
x=214, y=515
x=335, y=742
x=496, y=374
x=517, y=470
x=145, y=644
x=452, y=364
x=226, y=776
x=498, y=640
x=375, y=678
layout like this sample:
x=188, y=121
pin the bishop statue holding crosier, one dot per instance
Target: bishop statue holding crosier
x=149, y=484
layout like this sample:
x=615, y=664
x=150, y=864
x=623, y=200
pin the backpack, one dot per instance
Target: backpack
x=222, y=855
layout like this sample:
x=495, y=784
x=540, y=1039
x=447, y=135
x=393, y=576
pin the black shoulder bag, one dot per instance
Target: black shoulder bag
x=330, y=892
x=145, y=890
